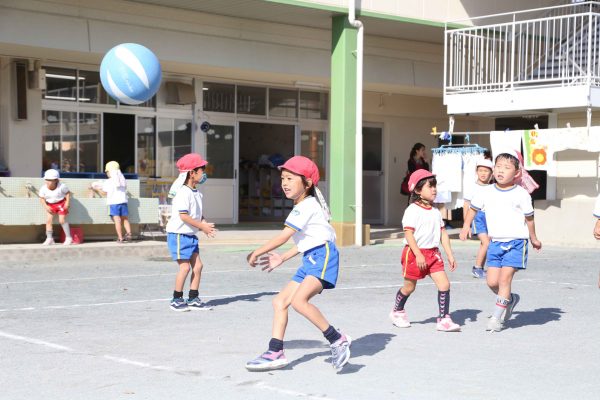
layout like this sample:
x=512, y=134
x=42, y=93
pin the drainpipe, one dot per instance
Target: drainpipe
x=358, y=232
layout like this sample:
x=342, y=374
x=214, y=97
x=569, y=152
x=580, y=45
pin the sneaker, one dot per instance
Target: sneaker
x=514, y=299
x=478, y=273
x=68, y=241
x=447, y=325
x=494, y=325
x=127, y=237
x=179, y=304
x=48, y=242
x=268, y=361
x=340, y=351
x=196, y=304
x=400, y=319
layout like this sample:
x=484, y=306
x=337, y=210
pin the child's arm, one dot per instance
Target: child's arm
x=271, y=245
x=412, y=243
x=532, y=236
x=274, y=260
x=67, y=200
x=207, y=227
x=46, y=206
x=597, y=230
x=466, y=229
x=448, y=250
x=466, y=208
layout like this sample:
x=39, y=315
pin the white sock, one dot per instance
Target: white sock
x=49, y=234
x=67, y=230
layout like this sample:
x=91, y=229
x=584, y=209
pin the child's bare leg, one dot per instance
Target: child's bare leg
x=483, y=247
x=49, y=218
x=184, y=269
x=281, y=303
x=505, y=281
x=117, y=221
x=493, y=278
x=309, y=287
x=196, y=264
x=126, y=225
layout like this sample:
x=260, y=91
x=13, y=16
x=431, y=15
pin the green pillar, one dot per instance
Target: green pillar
x=343, y=128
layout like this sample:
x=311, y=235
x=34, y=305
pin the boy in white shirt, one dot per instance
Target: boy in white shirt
x=185, y=222
x=509, y=218
x=115, y=188
x=55, y=198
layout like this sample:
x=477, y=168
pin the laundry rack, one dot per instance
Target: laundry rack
x=466, y=148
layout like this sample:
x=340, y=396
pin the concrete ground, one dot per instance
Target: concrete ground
x=101, y=328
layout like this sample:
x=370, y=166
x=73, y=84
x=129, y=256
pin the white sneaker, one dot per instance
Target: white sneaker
x=68, y=241
x=48, y=242
x=494, y=325
x=399, y=319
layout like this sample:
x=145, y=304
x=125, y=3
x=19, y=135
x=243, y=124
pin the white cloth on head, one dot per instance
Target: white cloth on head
x=54, y=196
x=309, y=221
x=425, y=223
x=505, y=211
x=187, y=201
x=116, y=190
x=503, y=141
x=179, y=182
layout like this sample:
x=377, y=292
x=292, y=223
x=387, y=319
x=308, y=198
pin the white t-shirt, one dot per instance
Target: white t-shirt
x=473, y=190
x=426, y=224
x=597, y=208
x=308, y=219
x=505, y=211
x=186, y=201
x=114, y=194
x=54, y=196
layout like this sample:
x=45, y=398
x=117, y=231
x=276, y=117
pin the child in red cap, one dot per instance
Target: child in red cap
x=308, y=225
x=423, y=232
x=185, y=222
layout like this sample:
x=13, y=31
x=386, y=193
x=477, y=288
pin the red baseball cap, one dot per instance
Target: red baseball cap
x=302, y=166
x=190, y=161
x=417, y=176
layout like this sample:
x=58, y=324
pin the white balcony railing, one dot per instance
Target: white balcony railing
x=550, y=47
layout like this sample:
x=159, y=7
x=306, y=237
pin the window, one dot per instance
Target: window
x=89, y=138
x=219, y=152
x=251, y=100
x=314, y=105
x=218, y=97
x=90, y=88
x=312, y=145
x=283, y=103
x=146, y=145
x=174, y=141
x=61, y=84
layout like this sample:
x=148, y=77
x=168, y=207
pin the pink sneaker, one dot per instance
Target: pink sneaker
x=447, y=325
x=400, y=319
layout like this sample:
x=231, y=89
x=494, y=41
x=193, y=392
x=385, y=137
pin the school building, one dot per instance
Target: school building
x=249, y=83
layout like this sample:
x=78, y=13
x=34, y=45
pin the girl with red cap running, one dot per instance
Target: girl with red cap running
x=308, y=225
x=423, y=232
x=185, y=222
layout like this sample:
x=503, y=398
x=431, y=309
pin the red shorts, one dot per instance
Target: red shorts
x=58, y=208
x=433, y=258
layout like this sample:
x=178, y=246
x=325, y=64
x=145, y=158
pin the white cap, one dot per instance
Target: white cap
x=484, y=162
x=51, y=174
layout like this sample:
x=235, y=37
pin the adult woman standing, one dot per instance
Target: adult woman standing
x=416, y=160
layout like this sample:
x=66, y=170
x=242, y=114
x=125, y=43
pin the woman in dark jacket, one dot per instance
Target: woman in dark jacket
x=417, y=159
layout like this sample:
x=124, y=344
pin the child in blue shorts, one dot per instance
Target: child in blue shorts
x=479, y=226
x=185, y=222
x=308, y=225
x=509, y=217
x=115, y=188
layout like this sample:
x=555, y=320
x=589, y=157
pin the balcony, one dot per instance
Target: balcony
x=542, y=59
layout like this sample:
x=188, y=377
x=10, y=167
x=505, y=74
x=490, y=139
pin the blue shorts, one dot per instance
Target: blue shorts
x=119, y=210
x=321, y=262
x=508, y=254
x=182, y=246
x=479, y=224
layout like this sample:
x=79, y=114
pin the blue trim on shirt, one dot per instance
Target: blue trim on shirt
x=475, y=208
x=504, y=190
x=529, y=214
x=597, y=216
x=293, y=227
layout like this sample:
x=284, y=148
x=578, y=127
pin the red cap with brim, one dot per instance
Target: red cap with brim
x=190, y=162
x=303, y=166
x=417, y=176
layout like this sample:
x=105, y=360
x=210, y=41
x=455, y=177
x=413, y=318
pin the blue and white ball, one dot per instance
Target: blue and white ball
x=130, y=73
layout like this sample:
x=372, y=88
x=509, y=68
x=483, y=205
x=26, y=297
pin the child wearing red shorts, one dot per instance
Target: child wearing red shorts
x=55, y=198
x=423, y=232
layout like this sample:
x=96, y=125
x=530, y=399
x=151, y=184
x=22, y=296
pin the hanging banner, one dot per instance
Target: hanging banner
x=535, y=151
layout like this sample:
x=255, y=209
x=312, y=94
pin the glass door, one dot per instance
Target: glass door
x=373, y=179
x=219, y=145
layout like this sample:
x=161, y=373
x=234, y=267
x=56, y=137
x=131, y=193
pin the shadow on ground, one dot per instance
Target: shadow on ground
x=538, y=316
x=458, y=316
x=242, y=297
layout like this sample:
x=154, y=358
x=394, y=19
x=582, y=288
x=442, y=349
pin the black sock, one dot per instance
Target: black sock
x=400, y=300
x=275, y=345
x=193, y=294
x=177, y=295
x=331, y=334
x=444, y=303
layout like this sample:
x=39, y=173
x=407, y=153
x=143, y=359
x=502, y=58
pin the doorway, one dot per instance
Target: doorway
x=373, y=179
x=119, y=140
x=262, y=148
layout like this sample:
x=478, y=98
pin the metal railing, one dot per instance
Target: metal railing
x=556, y=46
